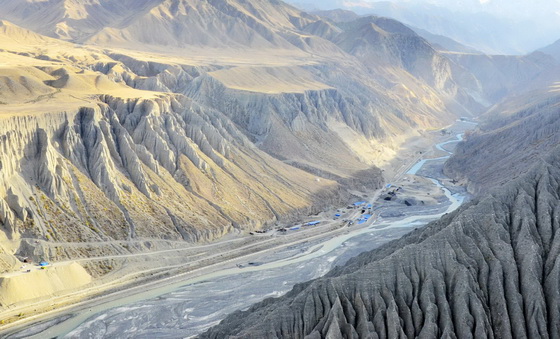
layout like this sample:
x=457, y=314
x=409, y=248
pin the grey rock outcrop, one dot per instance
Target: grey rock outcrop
x=488, y=270
x=514, y=136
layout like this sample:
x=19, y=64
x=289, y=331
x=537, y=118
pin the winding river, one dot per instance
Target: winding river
x=187, y=308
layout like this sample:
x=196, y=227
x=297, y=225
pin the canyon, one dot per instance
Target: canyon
x=163, y=125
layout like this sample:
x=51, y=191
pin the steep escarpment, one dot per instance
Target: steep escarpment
x=150, y=75
x=302, y=109
x=287, y=112
x=514, y=135
x=488, y=270
x=295, y=126
x=163, y=168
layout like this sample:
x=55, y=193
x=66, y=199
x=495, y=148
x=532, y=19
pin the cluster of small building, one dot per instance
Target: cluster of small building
x=363, y=219
x=297, y=227
x=357, y=204
x=366, y=211
x=42, y=265
x=365, y=216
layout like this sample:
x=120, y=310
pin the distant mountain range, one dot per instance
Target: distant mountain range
x=514, y=28
x=552, y=49
x=439, y=42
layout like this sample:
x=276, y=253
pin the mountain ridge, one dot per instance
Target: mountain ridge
x=552, y=49
x=514, y=134
x=268, y=115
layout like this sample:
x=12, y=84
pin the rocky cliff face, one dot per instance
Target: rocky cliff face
x=487, y=270
x=292, y=124
x=100, y=149
x=159, y=168
x=515, y=134
x=295, y=127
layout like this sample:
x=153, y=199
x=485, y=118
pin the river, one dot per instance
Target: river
x=187, y=308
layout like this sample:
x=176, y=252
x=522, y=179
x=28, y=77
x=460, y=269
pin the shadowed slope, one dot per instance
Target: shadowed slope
x=488, y=270
x=516, y=134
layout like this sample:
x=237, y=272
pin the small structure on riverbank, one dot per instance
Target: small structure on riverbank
x=359, y=203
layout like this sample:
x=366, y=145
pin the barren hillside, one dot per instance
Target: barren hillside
x=487, y=270
x=513, y=137
x=184, y=121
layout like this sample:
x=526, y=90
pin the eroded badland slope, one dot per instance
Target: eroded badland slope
x=183, y=121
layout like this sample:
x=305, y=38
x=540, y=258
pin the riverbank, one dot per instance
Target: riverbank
x=271, y=252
